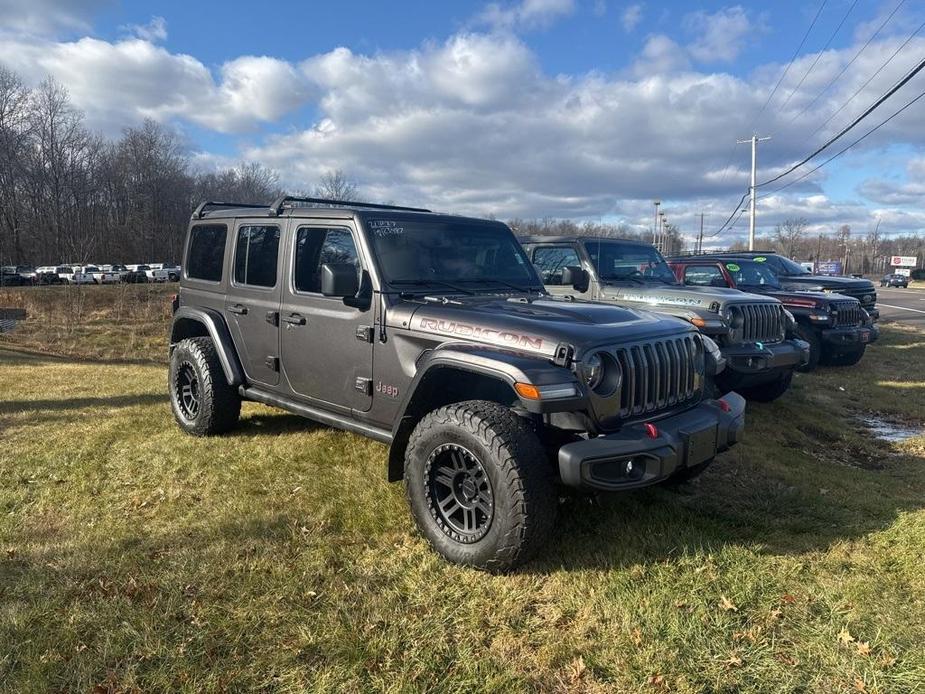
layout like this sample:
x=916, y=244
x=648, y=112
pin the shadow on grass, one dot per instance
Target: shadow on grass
x=15, y=406
x=274, y=423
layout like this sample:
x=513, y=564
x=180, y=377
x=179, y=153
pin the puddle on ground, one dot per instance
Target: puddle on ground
x=889, y=430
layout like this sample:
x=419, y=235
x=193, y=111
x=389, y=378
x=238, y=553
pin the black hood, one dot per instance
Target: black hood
x=537, y=325
x=827, y=281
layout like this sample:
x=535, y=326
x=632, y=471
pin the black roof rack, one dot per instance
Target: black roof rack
x=280, y=203
x=204, y=207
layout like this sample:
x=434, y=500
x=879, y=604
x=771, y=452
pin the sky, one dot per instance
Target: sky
x=581, y=109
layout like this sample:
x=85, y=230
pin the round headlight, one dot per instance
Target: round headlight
x=736, y=318
x=593, y=369
x=602, y=373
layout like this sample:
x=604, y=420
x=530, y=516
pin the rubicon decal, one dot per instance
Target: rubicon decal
x=670, y=300
x=502, y=337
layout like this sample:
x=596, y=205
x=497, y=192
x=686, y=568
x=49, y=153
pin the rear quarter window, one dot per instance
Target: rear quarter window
x=206, y=253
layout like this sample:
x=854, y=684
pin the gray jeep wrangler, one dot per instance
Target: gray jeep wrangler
x=756, y=334
x=434, y=335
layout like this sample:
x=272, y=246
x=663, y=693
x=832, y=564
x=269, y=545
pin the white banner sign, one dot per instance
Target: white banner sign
x=904, y=260
x=904, y=271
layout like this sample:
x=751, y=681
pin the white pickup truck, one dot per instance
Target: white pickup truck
x=102, y=275
x=74, y=274
x=158, y=272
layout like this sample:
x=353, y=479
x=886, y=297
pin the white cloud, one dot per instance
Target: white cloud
x=155, y=30
x=118, y=84
x=474, y=124
x=526, y=14
x=48, y=16
x=631, y=17
x=720, y=36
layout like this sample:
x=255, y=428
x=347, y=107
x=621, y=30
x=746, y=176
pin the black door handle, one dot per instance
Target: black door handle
x=294, y=319
x=239, y=309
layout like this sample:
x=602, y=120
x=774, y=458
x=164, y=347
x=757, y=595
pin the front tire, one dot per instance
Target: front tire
x=479, y=485
x=768, y=392
x=845, y=358
x=815, y=348
x=202, y=401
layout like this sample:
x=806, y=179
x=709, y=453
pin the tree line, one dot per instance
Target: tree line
x=67, y=194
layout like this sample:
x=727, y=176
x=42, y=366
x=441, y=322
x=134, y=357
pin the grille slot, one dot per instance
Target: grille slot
x=659, y=375
x=846, y=314
x=760, y=322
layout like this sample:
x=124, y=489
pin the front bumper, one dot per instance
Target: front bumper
x=849, y=338
x=758, y=358
x=631, y=458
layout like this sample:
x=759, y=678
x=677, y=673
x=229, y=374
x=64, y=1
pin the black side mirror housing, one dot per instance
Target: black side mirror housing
x=576, y=277
x=339, y=280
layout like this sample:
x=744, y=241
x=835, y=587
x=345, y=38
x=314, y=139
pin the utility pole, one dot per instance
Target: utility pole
x=818, y=253
x=754, y=139
x=700, y=238
x=655, y=226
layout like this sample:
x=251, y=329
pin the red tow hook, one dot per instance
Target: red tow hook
x=724, y=406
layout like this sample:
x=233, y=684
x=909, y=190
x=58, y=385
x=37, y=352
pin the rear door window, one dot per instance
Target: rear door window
x=256, y=253
x=206, y=254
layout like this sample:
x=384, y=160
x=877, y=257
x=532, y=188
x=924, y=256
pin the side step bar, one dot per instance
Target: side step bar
x=323, y=416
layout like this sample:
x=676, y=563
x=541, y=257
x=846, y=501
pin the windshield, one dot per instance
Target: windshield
x=783, y=266
x=437, y=252
x=622, y=261
x=751, y=274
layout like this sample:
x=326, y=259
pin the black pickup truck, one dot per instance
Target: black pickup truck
x=837, y=328
x=792, y=275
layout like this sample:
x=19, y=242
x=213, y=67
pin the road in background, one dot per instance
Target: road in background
x=904, y=305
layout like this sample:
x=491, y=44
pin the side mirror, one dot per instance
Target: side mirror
x=718, y=282
x=576, y=277
x=339, y=280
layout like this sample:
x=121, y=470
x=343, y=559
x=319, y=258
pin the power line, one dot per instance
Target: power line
x=869, y=79
x=849, y=63
x=729, y=218
x=846, y=148
x=793, y=57
x=870, y=109
x=819, y=55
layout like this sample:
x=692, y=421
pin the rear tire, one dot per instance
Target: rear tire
x=768, y=392
x=479, y=485
x=202, y=401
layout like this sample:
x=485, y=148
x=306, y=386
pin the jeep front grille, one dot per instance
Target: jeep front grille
x=846, y=314
x=867, y=297
x=659, y=375
x=757, y=322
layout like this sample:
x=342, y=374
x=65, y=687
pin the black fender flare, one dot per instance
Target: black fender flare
x=505, y=366
x=215, y=326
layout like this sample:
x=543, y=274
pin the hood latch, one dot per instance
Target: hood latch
x=565, y=354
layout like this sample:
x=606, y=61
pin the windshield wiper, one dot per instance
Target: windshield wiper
x=624, y=278
x=430, y=283
x=515, y=287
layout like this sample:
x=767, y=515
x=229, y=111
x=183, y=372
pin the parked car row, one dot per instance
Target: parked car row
x=23, y=275
x=498, y=372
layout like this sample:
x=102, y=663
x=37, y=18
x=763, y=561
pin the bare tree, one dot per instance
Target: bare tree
x=789, y=234
x=336, y=185
x=14, y=132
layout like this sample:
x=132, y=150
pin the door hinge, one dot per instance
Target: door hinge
x=272, y=363
x=564, y=355
x=365, y=333
x=364, y=385
x=273, y=318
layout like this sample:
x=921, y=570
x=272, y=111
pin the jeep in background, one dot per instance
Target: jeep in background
x=794, y=276
x=433, y=334
x=837, y=329
x=755, y=333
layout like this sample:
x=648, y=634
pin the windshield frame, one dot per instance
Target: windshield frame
x=669, y=277
x=442, y=284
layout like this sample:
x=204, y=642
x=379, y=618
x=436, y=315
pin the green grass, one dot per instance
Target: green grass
x=134, y=558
